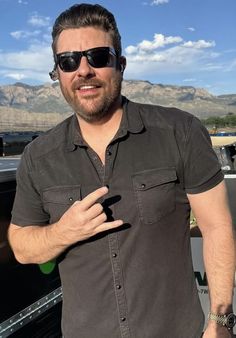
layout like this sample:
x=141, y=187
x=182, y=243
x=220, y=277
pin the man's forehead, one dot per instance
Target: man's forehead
x=82, y=39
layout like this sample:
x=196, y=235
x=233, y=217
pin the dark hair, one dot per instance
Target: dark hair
x=87, y=15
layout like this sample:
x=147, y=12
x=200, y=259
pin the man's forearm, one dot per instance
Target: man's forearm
x=35, y=244
x=219, y=259
x=214, y=220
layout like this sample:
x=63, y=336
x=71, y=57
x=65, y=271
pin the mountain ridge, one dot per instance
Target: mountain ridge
x=25, y=106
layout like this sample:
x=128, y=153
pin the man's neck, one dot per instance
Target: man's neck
x=100, y=133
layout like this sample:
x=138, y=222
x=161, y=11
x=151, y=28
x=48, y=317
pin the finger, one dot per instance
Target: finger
x=99, y=220
x=109, y=225
x=92, y=198
x=94, y=211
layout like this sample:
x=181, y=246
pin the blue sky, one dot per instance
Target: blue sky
x=178, y=42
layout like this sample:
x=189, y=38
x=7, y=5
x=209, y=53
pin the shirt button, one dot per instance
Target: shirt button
x=70, y=199
x=143, y=185
x=114, y=255
x=109, y=153
x=118, y=287
x=123, y=319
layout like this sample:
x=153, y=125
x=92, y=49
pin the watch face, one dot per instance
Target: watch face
x=231, y=320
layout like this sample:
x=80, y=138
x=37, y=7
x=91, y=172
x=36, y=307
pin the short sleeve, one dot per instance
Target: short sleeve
x=202, y=170
x=27, y=207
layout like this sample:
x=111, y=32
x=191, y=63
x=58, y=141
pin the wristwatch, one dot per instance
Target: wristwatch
x=227, y=320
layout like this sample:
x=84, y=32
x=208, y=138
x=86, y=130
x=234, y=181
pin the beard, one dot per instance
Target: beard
x=95, y=108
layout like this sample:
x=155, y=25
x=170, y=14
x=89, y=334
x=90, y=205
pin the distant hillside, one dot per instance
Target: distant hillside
x=24, y=107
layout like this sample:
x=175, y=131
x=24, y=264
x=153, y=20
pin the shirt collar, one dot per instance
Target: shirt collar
x=74, y=135
x=131, y=119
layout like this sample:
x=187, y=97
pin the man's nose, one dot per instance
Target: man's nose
x=85, y=69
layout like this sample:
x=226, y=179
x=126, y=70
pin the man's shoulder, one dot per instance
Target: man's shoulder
x=161, y=116
x=50, y=140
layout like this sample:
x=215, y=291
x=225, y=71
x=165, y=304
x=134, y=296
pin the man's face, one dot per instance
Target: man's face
x=92, y=92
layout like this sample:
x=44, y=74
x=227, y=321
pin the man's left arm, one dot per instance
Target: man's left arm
x=214, y=220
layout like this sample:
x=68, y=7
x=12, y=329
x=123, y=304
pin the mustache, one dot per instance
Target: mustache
x=82, y=82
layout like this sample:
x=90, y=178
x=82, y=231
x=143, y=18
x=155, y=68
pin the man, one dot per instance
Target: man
x=109, y=191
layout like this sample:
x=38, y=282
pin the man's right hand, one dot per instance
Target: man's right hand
x=84, y=219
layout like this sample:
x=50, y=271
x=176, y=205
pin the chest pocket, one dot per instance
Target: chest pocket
x=57, y=200
x=155, y=193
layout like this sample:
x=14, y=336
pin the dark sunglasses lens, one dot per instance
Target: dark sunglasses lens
x=98, y=58
x=69, y=63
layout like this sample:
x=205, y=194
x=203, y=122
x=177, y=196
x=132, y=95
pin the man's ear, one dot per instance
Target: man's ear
x=122, y=64
x=53, y=74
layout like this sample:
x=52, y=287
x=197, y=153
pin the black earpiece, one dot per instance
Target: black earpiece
x=122, y=64
x=53, y=74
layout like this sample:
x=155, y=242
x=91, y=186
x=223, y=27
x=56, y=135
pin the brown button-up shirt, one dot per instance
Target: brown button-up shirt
x=136, y=281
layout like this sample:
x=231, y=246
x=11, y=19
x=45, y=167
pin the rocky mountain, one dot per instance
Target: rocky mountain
x=194, y=100
x=40, y=107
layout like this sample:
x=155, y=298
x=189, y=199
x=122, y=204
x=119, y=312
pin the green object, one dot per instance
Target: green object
x=47, y=268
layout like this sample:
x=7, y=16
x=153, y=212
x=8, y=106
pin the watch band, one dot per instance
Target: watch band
x=227, y=320
x=219, y=319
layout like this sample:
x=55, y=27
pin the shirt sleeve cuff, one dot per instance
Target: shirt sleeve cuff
x=216, y=179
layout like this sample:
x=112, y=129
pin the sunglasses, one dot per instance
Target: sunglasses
x=97, y=57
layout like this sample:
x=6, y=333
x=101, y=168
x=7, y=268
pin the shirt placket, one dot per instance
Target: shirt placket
x=119, y=285
x=105, y=174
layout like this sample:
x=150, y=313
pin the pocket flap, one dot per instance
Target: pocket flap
x=62, y=194
x=150, y=178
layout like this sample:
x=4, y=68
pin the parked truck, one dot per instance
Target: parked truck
x=30, y=295
x=13, y=143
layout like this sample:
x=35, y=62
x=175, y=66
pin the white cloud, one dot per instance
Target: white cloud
x=170, y=55
x=24, y=34
x=151, y=58
x=159, y=2
x=147, y=46
x=15, y=76
x=189, y=80
x=131, y=49
x=159, y=41
x=39, y=20
x=200, y=44
x=210, y=66
x=36, y=58
x=21, y=2
x=26, y=75
x=191, y=29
